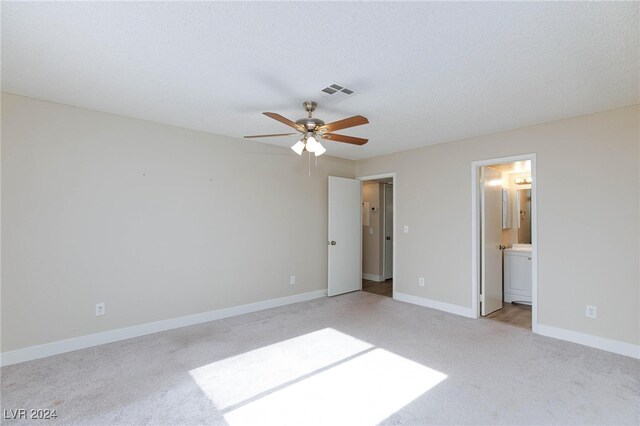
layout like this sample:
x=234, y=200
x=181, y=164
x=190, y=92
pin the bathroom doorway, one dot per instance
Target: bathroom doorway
x=378, y=234
x=504, y=280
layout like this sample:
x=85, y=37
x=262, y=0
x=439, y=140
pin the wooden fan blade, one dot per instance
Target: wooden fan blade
x=356, y=120
x=284, y=120
x=270, y=136
x=346, y=139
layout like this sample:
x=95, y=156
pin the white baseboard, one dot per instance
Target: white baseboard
x=76, y=343
x=68, y=345
x=609, y=345
x=434, y=304
x=371, y=277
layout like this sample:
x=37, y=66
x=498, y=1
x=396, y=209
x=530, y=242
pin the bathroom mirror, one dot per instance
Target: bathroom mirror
x=524, y=216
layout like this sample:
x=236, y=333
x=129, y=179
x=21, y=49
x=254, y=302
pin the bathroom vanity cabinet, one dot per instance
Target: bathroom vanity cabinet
x=517, y=275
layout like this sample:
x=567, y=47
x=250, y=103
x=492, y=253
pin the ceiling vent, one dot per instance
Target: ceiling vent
x=336, y=93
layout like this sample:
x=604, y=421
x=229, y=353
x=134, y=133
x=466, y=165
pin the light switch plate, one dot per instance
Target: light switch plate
x=406, y=229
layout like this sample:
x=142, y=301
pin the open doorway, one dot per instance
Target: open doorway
x=504, y=238
x=377, y=234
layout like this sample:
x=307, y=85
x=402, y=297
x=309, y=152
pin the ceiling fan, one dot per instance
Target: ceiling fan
x=313, y=128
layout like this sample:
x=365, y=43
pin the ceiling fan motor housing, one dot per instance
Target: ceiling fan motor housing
x=310, y=124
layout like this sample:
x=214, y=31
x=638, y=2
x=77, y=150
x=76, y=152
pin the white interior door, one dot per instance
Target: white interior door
x=491, y=239
x=388, y=232
x=344, y=236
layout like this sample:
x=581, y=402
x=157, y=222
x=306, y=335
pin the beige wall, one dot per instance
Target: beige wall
x=155, y=221
x=158, y=221
x=372, y=242
x=588, y=209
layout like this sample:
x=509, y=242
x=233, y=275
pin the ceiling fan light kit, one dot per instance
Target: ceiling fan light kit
x=309, y=143
x=313, y=129
x=298, y=147
x=319, y=150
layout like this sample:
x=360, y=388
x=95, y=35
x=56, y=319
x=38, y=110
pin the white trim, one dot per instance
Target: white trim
x=384, y=232
x=371, y=277
x=378, y=176
x=609, y=345
x=434, y=304
x=68, y=345
x=395, y=216
x=475, y=241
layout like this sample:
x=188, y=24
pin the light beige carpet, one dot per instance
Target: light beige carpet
x=353, y=359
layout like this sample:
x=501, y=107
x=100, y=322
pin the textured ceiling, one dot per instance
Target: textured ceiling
x=425, y=73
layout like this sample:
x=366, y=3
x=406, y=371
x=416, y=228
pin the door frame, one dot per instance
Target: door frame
x=475, y=232
x=384, y=231
x=395, y=226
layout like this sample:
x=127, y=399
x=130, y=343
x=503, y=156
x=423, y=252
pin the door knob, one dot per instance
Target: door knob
x=333, y=243
x=388, y=238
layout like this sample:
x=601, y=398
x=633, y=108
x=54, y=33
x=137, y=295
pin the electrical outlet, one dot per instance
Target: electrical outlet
x=370, y=231
x=592, y=311
x=406, y=229
x=292, y=281
x=100, y=309
x=421, y=281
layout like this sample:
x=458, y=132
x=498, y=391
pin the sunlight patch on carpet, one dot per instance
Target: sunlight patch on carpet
x=364, y=390
x=239, y=378
x=324, y=377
